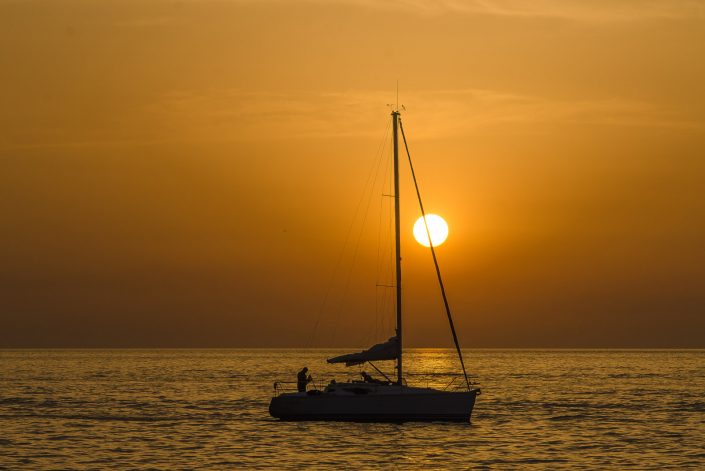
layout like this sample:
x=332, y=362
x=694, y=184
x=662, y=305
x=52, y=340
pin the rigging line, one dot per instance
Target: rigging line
x=380, y=150
x=389, y=264
x=379, y=265
x=435, y=260
x=379, y=371
x=359, y=237
x=382, y=263
x=354, y=259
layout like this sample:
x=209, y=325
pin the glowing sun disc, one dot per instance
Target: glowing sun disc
x=436, y=226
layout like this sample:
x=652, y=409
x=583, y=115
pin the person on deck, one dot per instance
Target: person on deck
x=302, y=380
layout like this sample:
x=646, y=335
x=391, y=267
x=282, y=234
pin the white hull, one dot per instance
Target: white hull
x=355, y=402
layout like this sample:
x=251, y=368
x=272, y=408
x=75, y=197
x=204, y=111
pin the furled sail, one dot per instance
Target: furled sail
x=382, y=351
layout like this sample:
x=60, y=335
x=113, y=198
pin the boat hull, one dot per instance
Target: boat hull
x=387, y=407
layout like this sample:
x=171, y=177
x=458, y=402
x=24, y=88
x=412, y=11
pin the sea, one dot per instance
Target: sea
x=208, y=409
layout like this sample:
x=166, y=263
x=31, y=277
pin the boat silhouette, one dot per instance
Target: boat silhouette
x=382, y=400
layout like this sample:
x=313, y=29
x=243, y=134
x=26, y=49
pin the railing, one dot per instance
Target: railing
x=284, y=386
x=292, y=386
x=450, y=386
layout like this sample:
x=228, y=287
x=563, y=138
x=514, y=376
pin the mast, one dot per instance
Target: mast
x=397, y=238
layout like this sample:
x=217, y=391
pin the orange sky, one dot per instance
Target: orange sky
x=184, y=173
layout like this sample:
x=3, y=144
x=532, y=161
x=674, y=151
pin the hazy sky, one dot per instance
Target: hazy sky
x=185, y=173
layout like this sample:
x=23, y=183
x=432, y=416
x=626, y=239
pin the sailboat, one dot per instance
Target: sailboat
x=375, y=400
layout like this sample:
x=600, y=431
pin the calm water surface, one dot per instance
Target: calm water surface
x=208, y=409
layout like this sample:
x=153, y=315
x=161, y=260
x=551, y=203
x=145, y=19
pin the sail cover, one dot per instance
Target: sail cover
x=382, y=351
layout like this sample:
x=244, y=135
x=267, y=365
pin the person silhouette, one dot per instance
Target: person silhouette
x=302, y=380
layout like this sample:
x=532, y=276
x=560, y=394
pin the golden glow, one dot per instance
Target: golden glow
x=224, y=156
x=437, y=227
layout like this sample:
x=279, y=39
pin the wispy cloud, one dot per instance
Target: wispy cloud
x=575, y=10
x=594, y=10
x=223, y=115
x=230, y=114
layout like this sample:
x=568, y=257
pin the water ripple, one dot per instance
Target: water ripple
x=208, y=408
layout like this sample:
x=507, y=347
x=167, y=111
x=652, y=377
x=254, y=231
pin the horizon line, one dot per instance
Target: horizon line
x=353, y=348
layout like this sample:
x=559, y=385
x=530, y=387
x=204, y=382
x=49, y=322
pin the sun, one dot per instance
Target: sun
x=436, y=226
